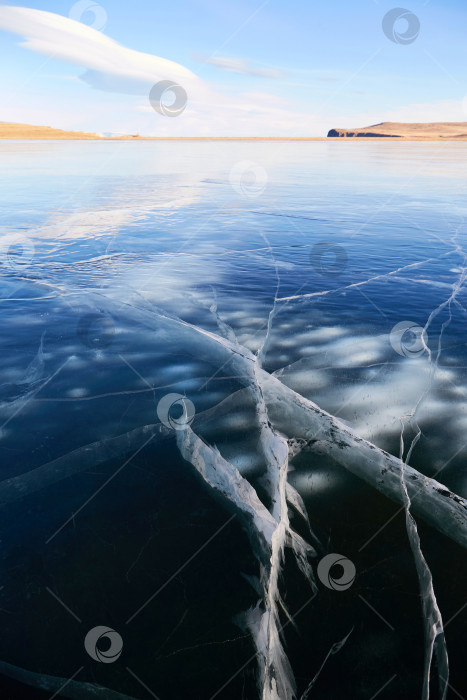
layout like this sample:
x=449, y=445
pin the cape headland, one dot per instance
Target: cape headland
x=411, y=131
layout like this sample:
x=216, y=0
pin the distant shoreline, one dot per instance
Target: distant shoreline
x=410, y=131
x=26, y=132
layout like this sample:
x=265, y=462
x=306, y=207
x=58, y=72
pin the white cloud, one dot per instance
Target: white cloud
x=70, y=41
x=240, y=66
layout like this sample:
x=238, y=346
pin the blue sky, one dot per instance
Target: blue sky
x=248, y=68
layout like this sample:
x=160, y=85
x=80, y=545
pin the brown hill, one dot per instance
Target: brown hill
x=26, y=131
x=414, y=132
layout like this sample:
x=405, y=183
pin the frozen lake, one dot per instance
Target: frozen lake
x=132, y=272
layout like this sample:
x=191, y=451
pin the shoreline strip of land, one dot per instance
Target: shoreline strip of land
x=385, y=131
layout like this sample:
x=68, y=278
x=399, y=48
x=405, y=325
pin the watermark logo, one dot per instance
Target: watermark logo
x=162, y=92
x=82, y=8
x=96, y=330
x=392, y=21
x=408, y=339
x=16, y=252
x=336, y=572
x=328, y=259
x=175, y=411
x=248, y=178
x=113, y=640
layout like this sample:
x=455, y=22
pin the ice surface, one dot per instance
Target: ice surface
x=285, y=382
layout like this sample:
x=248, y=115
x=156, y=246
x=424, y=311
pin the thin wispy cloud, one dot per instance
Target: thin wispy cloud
x=240, y=66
